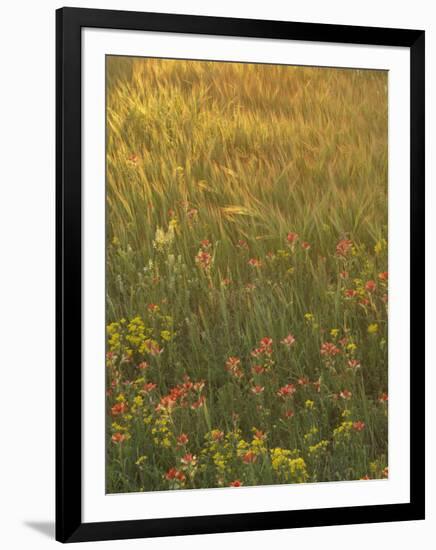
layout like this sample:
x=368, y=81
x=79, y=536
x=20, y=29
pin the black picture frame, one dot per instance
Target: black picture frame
x=69, y=525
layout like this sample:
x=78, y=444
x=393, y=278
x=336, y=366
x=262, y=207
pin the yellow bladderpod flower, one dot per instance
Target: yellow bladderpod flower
x=342, y=433
x=166, y=335
x=319, y=448
x=141, y=460
x=380, y=246
x=173, y=223
x=112, y=328
x=373, y=328
x=298, y=470
x=291, y=468
x=137, y=403
x=311, y=434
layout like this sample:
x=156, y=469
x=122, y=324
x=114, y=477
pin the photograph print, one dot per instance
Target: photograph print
x=246, y=274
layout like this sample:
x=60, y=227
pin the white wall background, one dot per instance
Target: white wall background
x=27, y=324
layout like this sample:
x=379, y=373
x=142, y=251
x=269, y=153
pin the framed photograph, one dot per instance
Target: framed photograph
x=240, y=274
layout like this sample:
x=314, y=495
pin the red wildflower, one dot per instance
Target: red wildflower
x=242, y=244
x=249, y=457
x=143, y=365
x=343, y=274
x=254, y=262
x=286, y=391
x=292, y=237
x=119, y=408
x=258, y=369
x=383, y=276
x=232, y=362
x=257, y=389
x=346, y=394
x=288, y=413
x=305, y=245
x=329, y=349
x=199, y=403
x=188, y=458
x=236, y=483
x=266, y=343
x=383, y=398
x=152, y=307
x=148, y=387
x=118, y=437
x=303, y=381
x=182, y=439
x=350, y=293
x=256, y=352
x=166, y=403
x=187, y=384
x=343, y=248
x=178, y=396
x=354, y=364
x=203, y=259
x=192, y=213
x=173, y=473
x=366, y=477
x=153, y=348
x=205, y=244
x=358, y=426
x=233, y=366
x=288, y=340
x=198, y=386
x=264, y=348
x=343, y=341
x=370, y=286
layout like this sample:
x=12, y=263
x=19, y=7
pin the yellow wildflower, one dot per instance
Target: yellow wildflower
x=309, y=317
x=373, y=328
x=319, y=448
x=380, y=246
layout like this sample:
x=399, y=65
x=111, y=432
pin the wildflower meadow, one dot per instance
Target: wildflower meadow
x=246, y=275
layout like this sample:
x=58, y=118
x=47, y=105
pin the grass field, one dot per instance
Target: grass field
x=246, y=274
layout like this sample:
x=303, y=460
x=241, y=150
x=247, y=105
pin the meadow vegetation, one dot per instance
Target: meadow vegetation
x=246, y=272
